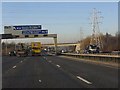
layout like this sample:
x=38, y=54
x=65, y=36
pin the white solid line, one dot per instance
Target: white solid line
x=14, y=66
x=84, y=80
x=58, y=65
x=40, y=81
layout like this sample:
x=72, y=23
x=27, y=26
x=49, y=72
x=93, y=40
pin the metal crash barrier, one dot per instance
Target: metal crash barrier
x=104, y=58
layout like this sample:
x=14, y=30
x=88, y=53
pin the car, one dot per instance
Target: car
x=22, y=53
x=12, y=53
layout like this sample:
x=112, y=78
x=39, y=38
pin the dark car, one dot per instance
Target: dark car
x=12, y=53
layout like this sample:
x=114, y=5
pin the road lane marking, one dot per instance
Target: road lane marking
x=50, y=61
x=14, y=66
x=58, y=65
x=45, y=58
x=40, y=81
x=21, y=61
x=83, y=80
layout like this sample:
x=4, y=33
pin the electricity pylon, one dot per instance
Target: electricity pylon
x=96, y=37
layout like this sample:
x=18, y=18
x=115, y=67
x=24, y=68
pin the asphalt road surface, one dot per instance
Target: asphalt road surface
x=55, y=72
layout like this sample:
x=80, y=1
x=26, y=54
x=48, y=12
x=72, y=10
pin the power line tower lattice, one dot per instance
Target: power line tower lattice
x=96, y=37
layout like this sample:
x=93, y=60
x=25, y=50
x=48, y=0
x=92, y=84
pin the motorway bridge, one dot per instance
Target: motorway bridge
x=62, y=44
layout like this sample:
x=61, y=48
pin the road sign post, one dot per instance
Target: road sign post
x=6, y=47
x=55, y=42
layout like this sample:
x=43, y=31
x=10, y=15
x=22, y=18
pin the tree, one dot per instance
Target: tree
x=109, y=42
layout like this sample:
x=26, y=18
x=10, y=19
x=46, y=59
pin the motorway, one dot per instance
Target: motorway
x=55, y=72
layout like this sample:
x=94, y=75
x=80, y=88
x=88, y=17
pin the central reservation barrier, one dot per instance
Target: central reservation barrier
x=103, y=58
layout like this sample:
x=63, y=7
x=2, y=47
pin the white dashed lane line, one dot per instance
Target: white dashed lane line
x=83, y=80
x=40, y=81
x=14, y=66
x=58, y=66
x=50, y=61
x=21, y=61
x=80, y=78
x=45, y=58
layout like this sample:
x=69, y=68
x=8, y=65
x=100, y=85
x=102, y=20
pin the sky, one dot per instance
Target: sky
x=65, y=19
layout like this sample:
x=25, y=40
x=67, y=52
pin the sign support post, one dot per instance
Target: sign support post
x=55, y=41
x=6, y=47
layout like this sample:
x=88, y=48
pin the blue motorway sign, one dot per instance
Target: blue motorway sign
x=27, y=27
x=28, y=32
